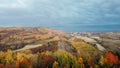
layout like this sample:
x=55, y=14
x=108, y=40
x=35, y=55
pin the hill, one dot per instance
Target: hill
x=40, y=47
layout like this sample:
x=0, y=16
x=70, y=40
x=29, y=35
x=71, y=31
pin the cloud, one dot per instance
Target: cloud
x=70, y=12
x=14, y=4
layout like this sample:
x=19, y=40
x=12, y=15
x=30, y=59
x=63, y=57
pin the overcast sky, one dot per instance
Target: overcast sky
x=68, y=15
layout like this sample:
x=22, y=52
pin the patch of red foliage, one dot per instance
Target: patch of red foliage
x=111, y=58
x=1, y=65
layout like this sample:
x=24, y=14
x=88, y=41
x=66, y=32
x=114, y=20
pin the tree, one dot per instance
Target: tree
x=101, y=61
x=110, y=58
x=90, y=62
x=55, y=64
x=24, y=63
x=16, y=64
x=8, y=57
x=80, y=60
x=66, y=59
x=19, y=57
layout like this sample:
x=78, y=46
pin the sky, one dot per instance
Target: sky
x=67, y=15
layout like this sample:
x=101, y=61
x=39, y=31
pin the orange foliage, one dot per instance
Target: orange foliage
x=16, y=64
x=25, y=61
x=110, y=58
x=80, y=60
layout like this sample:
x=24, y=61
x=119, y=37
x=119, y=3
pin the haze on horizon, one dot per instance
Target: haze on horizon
x=68, y=15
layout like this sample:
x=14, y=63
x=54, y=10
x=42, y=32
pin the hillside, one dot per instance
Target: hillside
x=39, y=47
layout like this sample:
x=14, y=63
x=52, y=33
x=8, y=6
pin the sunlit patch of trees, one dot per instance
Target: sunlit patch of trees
x=66, y=59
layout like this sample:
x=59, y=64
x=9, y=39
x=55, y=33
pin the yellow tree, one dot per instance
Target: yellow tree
x=102, y=60
x=19, y=57
x=80, y=60
x=55, y=64
x=2, y=57
x=8, y=56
